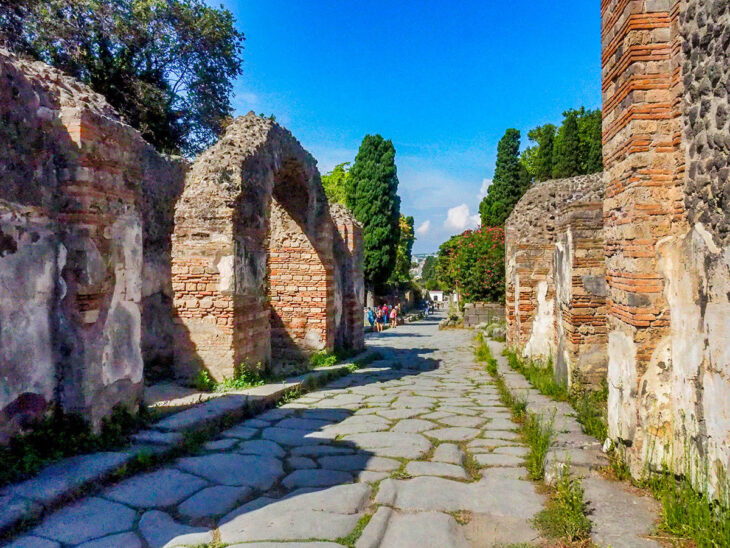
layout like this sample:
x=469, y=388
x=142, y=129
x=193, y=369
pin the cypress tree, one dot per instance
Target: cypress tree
x=567, y=149
x=511, y=180
x=372, y=195
x=542, y=162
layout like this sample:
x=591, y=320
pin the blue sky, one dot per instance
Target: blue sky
x=443, y=80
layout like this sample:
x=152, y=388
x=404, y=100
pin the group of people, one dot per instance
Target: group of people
x=380, y=316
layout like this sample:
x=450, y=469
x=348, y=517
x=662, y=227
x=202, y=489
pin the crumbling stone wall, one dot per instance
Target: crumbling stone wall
x=73, y=181
x=254, y=268
x=580, y=286
x=666, y=149
x=531, y=235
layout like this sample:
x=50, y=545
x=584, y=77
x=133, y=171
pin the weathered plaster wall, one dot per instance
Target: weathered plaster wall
x=666, y=132
x=580, y=286
x=349, y=279
x=71, y=261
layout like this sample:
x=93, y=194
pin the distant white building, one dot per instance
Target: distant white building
x=436, y=296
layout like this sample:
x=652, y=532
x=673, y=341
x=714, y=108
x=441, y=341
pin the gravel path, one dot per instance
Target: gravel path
x=418, y=443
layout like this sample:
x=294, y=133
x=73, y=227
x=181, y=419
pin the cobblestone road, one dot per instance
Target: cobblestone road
x=418, y=442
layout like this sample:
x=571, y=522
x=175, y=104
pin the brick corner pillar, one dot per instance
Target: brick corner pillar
x=644, y=162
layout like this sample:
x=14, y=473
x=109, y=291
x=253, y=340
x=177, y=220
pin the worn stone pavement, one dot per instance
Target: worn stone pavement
x=418, y=440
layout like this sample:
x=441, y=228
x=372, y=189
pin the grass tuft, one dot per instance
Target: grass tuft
x=538, y=433
x=356, y=533
x=565, y=514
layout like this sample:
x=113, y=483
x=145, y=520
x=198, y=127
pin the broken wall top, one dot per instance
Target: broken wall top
x=535, y=217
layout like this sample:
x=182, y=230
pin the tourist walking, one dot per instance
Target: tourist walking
x=394, y=317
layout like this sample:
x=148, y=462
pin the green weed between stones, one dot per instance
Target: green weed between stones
x=590, y=405
x=565, y=514
x=356, y=533
x=538, y=433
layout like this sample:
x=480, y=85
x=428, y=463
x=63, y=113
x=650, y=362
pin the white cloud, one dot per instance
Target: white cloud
x=486, y=183
x=459, y=219
x=423, y=229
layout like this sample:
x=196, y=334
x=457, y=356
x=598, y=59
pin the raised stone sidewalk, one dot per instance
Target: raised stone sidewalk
x=620, y=517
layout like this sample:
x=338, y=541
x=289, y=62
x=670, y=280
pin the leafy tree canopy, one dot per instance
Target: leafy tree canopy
x=335, y=183
x=166, y=65
x=404, y=252
x=371, y=192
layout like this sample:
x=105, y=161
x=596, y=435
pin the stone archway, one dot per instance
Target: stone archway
x=252, y=254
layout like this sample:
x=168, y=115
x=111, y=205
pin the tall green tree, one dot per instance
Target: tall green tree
x=166, y=65
x=429, y=274
x=335, y=183
x=404, y=252
x=372, y=195
x=590, y=134
x=567, y=148
x=511, y=180
x=542, y=162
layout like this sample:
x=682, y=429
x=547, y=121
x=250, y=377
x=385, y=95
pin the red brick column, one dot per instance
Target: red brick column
x=644, y=197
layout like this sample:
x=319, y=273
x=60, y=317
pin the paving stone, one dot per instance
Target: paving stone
x=392, y=444
x=57, y=480
x=456, y=433
x=370, y=477
x=300, y=463
x=461, y=420
x=490, y=530
x=355, y=463
x=220, y=445
x=316, y=478
x=240, y=432
x=500, y=423
x=160, y=530
x=448, y=452
x=214, y=501
x=355, y=425
x=33, y=542
x=326, y=514
x=374, y=531
x=517, y=451
x=286, y=545
x=421, y=468
x=233, y=469
x=295, y=423
x=329, y=415
x=413, y=426
x=620, y=519
x=261, y=447
x=423, y=529
x=286, y=436
x=155, y=490
x=492, y=459
x=85, y=520
x=319, y=450
x=122, y=540
x=398, y=414
x=256, y=423
x=497, y=496
x=458, y=411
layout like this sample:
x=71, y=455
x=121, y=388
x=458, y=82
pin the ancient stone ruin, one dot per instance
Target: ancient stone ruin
x=658, y=329
x=117, y=262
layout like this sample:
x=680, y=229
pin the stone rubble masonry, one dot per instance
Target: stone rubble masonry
x=257, y=257
x=553, y=249
x=74, y=185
